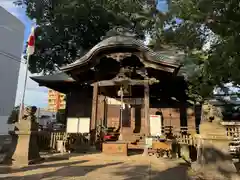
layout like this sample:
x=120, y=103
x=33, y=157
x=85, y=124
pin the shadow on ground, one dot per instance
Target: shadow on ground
x=133, y=152
x=92, y=170
x=115, y=170
x=73, y=169
x=141, y=172
x=48, y=162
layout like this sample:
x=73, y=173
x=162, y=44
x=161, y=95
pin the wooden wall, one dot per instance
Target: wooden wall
x=171, y=116
x=80, y=105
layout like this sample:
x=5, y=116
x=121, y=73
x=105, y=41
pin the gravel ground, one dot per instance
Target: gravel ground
x=99, y=166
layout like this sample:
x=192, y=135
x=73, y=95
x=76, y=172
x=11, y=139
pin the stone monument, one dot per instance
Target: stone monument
x=26, y=149
x=213, y=158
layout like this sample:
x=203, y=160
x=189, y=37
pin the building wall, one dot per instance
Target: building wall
x=171, y=116
x=56, y=101
x=79, y=104
x=108, y=113
x=11, y=48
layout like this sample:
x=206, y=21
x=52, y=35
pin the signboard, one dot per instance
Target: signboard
x=117, y=101
x=155, y=125
x=84, y=125
x=78, y=125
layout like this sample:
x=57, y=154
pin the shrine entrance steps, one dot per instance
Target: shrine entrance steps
x=134, y=140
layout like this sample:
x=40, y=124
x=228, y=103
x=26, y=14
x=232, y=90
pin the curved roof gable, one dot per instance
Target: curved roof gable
x=122, y=42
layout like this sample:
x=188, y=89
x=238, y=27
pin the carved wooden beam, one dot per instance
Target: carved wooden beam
x=121, y=81
x=119, y=56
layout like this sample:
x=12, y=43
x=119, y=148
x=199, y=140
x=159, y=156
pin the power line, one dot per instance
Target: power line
x=11, y=56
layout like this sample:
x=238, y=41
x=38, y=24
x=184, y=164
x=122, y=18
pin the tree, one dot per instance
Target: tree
x=68, y=28
x=61, y=116
x=200, y=22
x=13, y=118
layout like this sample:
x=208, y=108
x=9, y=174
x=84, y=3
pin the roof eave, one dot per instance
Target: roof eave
x=82, y=62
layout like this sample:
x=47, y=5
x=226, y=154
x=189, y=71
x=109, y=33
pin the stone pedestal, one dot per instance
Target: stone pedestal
x=26, y=151
x=213, y=158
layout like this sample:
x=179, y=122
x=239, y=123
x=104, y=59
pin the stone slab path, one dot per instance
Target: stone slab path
x=99, y=166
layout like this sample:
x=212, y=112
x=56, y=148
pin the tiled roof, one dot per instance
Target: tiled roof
x=127, y=42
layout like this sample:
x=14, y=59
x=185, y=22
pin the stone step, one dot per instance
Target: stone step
x=131, y=138
x=137, y=146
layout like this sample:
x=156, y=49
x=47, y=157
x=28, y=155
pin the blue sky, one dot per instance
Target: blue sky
x=36, y=95
x=162, y=5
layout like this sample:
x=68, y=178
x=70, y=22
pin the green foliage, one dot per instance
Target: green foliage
x=215, y=22
x=67, y=28
x=14, y=115
x=61, y=116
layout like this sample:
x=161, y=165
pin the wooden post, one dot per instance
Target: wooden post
x=105, y=112
x=66, y=107
x=94, y=106
x=146, y=109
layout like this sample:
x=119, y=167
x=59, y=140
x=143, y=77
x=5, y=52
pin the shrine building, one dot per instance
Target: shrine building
x=124, y=84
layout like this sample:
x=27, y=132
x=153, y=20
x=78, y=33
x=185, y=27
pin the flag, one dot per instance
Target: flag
x=31, y=43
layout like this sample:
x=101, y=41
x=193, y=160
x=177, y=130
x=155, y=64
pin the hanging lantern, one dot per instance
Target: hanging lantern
x=120, y=92
x=123, y=106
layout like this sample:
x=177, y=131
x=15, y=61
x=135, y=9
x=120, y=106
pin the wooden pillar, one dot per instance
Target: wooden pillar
x=94, y=106
x=67, y=97
x=183, y=115
x=105, y=112
x=146, y=109
x=133, y=118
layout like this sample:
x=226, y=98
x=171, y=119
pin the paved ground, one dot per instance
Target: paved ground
x=102, y=167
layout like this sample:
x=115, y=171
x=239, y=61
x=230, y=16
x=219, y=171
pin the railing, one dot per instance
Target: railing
x=184, y=135
x=48, y=140
x=233, y=131
x=185, y=139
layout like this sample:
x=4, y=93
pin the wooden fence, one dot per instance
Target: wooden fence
x=184, y=135
x=48, y=140
x=233, y=131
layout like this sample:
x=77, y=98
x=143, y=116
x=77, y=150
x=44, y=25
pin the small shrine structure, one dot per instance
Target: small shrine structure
x=121, y=83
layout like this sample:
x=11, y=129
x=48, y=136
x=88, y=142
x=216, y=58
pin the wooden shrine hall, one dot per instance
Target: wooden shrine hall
x=121, y=83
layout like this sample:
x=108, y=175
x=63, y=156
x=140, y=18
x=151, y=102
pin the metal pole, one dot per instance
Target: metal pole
x=121, y=113
x=121, y=118
x=24, y=90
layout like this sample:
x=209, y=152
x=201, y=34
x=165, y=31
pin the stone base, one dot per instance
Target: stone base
x=213, y=159
x=222, y=171
x=26, y=151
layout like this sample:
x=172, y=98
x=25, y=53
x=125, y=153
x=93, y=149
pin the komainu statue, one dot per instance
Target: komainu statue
x=24, y=149
x=213, y=145
x=211, y=113
x=211, y=122
x=29, y=113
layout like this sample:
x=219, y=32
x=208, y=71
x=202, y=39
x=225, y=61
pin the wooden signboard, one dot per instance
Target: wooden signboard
x=155, y=125
x=78, y=125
